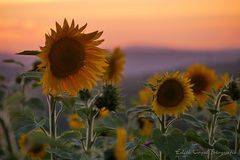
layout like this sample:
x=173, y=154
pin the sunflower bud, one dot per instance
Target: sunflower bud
x=84, y=94
x=35, y=65
x=234, y=89
x=109, y=99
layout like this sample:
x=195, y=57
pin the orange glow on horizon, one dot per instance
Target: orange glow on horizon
x=187, y=24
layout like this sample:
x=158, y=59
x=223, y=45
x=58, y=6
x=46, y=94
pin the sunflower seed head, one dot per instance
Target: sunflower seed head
x=109, y=99
x=234, y=89
x=84, y=94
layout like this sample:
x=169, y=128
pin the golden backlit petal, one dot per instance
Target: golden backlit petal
x=97, y=69
x=89, y=36
x=47, y=37
x=58, y=27
x=84, y=81
x=94, y=57
x=65, y=24
x=86, y=76
x=53, y=33
x=72, y=24
x=82, y=28
x=97, y=35
x=96, y=43
x=74, y=83
x=91, y=74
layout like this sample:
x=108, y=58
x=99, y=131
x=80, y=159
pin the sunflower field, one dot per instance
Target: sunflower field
x=190, y=114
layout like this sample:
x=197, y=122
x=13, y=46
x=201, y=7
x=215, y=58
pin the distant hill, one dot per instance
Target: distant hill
x=142, y=62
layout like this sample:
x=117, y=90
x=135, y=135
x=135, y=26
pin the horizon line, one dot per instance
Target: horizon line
x=152, y=47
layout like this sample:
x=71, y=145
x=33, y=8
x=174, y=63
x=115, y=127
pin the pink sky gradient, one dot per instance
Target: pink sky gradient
x=188, y=24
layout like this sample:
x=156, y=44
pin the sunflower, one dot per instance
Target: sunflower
x=203, y=79
x=146, y=126
x=155, y=79
x=173, y=95
x=110, y=99
x=231, y=108
x=75, y=122
x=114, y=71
x=223, y=81
x=119, y=151
x=103, y=112
x=145, y=96
x=71, y=60
x=233, y=89
x=30, y=149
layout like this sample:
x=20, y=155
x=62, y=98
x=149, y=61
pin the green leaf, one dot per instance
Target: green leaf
x=70, y=135
x=83, y=113
x=138, y=109
x=193, y=121
x=192, y=135
x=14, y=99
x=13, y=61
x=224, y=118
x=29, y=125
x=32, y=75
x=64, y=155
x=230, y=156
x=223, y=141
x=105, y=131
x=150, y=86
x=68, y=103
x=143, y=153
x=220, y=147
x=28, y=52
x=35, y=103
x=168, y=144
x=228, y=134
x=41, y=123
x=35, y=85
x=212, y=110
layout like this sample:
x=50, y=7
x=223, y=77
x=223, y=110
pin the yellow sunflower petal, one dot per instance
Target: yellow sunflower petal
x=66, y=54
x=173, y=95
x=114, y=72
x=203, y=80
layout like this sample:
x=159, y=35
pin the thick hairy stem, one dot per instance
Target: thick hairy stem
x=6, y=126
x=237, y=137
x=90, y=125
x=52, y=119
x=213, y=124
x=7, y=136
x=163, y=130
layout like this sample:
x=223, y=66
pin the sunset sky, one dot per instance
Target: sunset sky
x=185, y=24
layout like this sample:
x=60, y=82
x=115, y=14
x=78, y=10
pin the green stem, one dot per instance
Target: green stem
x=90, y=137
x=6, y=133
x=159, y=120
x=52, y=119
x=213, y=124
x=236, y=149
x=163, y=130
